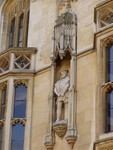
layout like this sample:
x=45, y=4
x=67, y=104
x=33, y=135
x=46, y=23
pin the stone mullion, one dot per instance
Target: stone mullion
x=27, y=137
x=9, y=111
x=24, y=29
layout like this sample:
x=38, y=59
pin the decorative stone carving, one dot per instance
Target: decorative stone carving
x=63, y=49
x=19, y=6
x=104, y=14
x=1, y=123
x=61, y=90
x=71, y=140
x=60, y=128
x=17, y=59
x=64, y=38
x=107, y=87
x=22, y=61
x=19, y=120
x=4, y=64
x=49, y=141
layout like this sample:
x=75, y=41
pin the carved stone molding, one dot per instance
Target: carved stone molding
x=19, y=6
x=18, y=120
x=71, y=140
x=1, y=123
x=49, y=141
x=18, y=82
x=107, y=41
x=107, y=87
x=60, y=129
x=106, y=144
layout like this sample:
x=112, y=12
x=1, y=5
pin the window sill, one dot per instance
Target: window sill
x=106, y=135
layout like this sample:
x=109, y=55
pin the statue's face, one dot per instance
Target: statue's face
x=63, y=73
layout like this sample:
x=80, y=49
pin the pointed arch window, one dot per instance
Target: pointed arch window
x=19, y=25
x=20, y=101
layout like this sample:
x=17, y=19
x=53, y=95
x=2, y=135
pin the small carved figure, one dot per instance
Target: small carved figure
x=61, y=90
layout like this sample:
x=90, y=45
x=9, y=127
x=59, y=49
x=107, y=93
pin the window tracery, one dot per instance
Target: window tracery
x=104, y=15
x=18, y=20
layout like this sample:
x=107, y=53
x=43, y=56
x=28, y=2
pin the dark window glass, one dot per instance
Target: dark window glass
x=11, y=34
x=3, y=103
x=20, y=31
x=109, y=112
x=20, y=101
x=27, y=28
x=17, y=137
x=1, y=130
x=109, y=66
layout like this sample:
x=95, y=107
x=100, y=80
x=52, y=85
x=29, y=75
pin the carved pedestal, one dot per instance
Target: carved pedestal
x=60, y=128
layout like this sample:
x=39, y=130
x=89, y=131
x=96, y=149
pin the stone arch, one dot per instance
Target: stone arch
x=18, y=82
x=18, y=120
x=107, y=41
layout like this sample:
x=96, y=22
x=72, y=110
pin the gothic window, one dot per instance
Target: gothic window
x=17, y=137
x=20, y=101
x=18, y=31
x=19, y=116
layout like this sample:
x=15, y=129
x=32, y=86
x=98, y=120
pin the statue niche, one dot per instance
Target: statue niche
x=62, y=94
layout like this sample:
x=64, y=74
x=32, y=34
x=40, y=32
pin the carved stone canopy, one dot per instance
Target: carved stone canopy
x=64, y=36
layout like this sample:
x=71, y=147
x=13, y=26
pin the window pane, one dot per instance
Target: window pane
x=3, y=102
x=1, y=138
x=11, y=34
x=109, y=66
x=17, y=137
x=111, y=53
x=109, y=112
x=111, y=71
x=27, y=28
x=20, y=101
x=20, y=31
